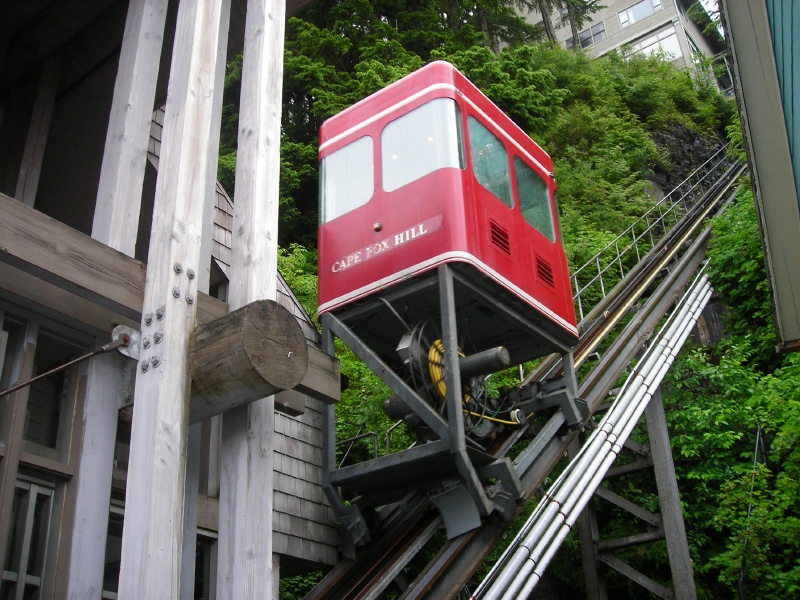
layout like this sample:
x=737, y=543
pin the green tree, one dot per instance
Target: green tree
x=579, y=13
x=739, y=275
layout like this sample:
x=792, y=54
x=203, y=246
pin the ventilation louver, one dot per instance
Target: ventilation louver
x=544, y=271
x=500, y=237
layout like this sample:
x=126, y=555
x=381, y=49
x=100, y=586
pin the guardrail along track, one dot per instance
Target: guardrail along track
x=414, y=523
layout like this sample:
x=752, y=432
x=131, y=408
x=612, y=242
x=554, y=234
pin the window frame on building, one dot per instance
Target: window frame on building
x=590, y=35
x=633, y=13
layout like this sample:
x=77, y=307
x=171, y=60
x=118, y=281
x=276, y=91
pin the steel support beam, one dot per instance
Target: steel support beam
x=680, y=562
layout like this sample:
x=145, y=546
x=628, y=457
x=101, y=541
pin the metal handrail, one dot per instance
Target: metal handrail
x=600, y=273
x=354, y=439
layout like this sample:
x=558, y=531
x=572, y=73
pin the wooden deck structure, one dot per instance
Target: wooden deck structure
x=111, y=215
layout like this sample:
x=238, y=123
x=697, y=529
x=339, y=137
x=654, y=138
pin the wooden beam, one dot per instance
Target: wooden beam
x=322, y=380
x=86, y=271
x=291, y=403
x=252, y=352
x=33, y=154
x=60, y=255
x=207, y=512
x=680, y=561
x=119, y=193
x=636, y=576
x=625, y=504
x=152, y=541
x=635, y=539
x=245, y=566
x=24, y=289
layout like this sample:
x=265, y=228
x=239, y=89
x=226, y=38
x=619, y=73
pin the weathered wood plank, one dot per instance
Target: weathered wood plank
x=119, y=193
x=322, y=380
x=152, y=541
x=88, y=271
x=42, y=297
x=60, y=255
x=246, y=495
x=252, y=352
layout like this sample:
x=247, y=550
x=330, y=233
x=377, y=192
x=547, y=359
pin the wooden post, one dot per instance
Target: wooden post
x=115, y=224
x=193, y=457
x=93, y=481
x=119, y=192
x=587, y=530
x=33, y=155
x=153, y=531
x=189, y=556
x=12, y=425
x=680, y=562
x=245, y=566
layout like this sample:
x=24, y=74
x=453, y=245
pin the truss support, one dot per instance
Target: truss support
x=668, y=524
x=451, y=472
x=679, y=560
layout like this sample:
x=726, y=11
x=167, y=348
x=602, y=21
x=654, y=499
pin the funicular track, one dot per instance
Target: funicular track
x=407, y=528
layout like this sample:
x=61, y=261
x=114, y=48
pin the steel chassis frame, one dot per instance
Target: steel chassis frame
x=450, y=471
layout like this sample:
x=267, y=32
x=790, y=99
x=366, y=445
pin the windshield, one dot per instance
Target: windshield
x=347, y=179
x=420, y=142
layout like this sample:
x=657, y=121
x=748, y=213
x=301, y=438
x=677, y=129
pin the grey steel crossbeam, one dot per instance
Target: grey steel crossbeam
x=634, y=575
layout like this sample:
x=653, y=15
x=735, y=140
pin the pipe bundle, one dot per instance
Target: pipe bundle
x=523, y=563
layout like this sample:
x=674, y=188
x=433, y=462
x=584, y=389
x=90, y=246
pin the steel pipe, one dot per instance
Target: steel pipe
x=521, y=566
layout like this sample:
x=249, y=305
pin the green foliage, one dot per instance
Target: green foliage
x=736, y=138
x=714, y=440
x=296, y=587
x=742, y=518
x=737, y=271
x=298, y=266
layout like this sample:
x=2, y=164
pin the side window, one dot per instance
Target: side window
x=420, y=142
x=489, y=161
x=347, y=179
x=534, y=199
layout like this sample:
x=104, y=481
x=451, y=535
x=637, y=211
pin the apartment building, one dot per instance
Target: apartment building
x=647, y=26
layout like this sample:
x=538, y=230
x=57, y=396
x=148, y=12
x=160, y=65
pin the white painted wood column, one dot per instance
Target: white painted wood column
x=116, y=221
x=194, y=452
x=93, y=481
x=119, y=192
x=245, y=568
x=152, y=540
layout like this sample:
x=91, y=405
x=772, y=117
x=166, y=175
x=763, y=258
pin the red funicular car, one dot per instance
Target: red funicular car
x=429, y=171
x=440, y=261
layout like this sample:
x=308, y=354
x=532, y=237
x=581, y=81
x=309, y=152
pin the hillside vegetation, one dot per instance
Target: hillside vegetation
x=620, y=129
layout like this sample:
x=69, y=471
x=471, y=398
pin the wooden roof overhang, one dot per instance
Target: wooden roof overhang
x=767, y=82
x=83, y=33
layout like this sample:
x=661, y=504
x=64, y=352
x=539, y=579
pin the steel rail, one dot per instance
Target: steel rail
x=450, y=569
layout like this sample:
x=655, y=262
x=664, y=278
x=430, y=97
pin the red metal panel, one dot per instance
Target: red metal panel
x=445, y=216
